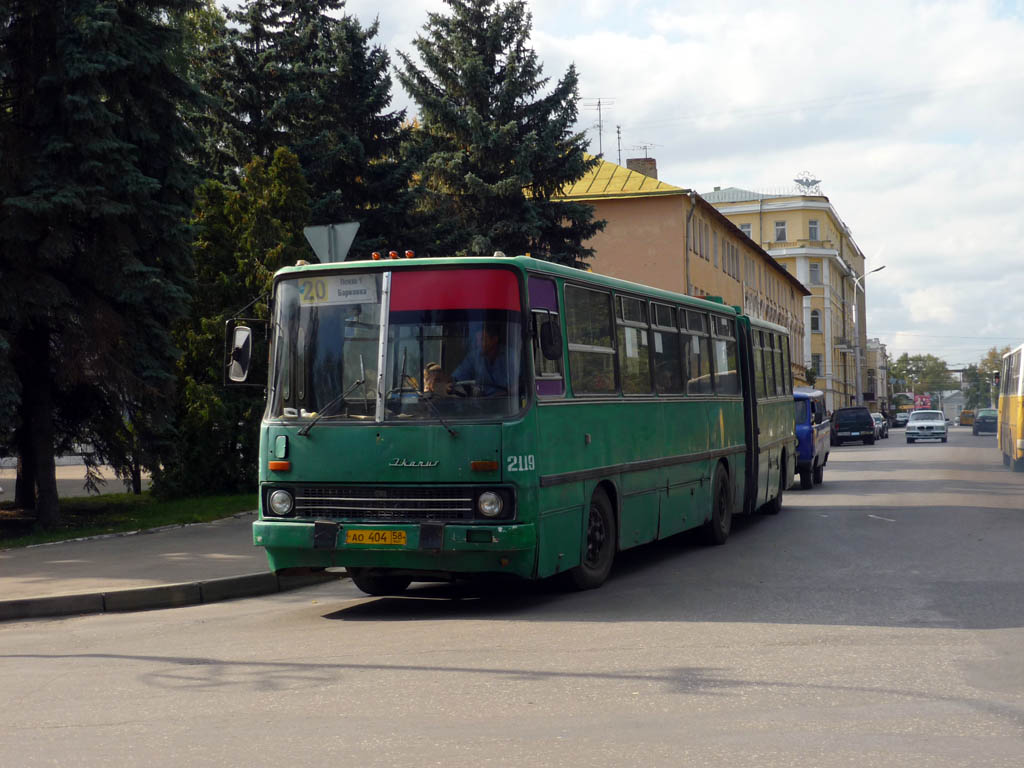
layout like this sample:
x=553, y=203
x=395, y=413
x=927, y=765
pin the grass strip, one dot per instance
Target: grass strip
x=117, y=513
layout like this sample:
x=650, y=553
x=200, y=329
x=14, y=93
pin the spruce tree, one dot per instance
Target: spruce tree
x=94, y=256
x=303, y=75
x=493, y=147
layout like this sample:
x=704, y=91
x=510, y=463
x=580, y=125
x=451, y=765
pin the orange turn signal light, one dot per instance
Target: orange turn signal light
x=279, y=466
x=483, y=466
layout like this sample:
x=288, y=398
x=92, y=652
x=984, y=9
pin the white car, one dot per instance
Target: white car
x=926, y=425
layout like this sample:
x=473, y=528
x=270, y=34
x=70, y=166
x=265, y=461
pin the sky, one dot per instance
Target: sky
x=910, y=113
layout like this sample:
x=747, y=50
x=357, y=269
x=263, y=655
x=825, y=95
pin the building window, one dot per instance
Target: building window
x=745, y=229
x=714, y=248
x=815, y=321
x=780, y=231
x=812, y=230
x=816, y=365
x=815, y=273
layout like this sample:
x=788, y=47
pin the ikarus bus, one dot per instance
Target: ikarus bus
x=436, y=418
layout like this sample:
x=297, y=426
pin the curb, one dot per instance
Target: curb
x=164, y=595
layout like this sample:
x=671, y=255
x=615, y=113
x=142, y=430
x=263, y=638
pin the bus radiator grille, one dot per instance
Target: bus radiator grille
x=445, y=504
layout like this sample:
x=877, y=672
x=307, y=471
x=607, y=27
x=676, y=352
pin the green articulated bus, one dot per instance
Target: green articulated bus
x=436, y=418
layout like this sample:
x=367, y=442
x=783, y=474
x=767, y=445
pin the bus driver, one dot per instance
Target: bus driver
x=486, y=363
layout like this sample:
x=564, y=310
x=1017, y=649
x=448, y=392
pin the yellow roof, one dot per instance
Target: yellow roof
x=607, y=180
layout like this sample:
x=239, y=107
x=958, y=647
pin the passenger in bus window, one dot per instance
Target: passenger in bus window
x=436, y=381
x=486, y=364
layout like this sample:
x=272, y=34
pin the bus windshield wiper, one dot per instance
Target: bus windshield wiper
x=433, y=407
x=323, y=411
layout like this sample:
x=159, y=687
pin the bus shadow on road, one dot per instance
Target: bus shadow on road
x=865, y=565
x=510, y=597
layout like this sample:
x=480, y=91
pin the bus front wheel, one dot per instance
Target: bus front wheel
x=379, y=583
x=599, y=552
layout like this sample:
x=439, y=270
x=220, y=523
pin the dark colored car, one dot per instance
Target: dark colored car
x=853, y=424
x=985, y=420
x=812, y=435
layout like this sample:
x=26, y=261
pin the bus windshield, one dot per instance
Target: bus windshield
x=454, y=346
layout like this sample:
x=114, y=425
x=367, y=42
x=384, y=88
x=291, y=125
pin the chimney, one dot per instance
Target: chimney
x=648, y=166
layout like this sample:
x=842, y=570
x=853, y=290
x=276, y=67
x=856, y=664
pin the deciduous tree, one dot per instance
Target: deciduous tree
x=243, y=236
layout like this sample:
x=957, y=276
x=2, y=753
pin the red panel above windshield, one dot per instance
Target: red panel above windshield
x=454, y=289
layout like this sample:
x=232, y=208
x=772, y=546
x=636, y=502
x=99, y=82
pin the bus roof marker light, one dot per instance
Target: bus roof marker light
x=375, y=256
x=392, y=254
x=410, y=255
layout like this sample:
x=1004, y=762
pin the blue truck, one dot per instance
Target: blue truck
x=813, y=433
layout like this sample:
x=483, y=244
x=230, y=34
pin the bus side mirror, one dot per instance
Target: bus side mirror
x=239, y=353
x=551, y=340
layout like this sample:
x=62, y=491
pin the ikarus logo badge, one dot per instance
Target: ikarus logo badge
x=413, y=463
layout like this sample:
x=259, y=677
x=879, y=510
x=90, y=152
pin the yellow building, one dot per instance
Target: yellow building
x=805, y=235
x=669, y=237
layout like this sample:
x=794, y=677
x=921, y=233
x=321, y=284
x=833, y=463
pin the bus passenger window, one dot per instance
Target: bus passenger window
x=769, y=368
x=781, y=373
x=786, y=366
x=634, y=351
x=727, y=381
x=668, y=357
x=588, y=324
x=759, y=390
x=698, y=362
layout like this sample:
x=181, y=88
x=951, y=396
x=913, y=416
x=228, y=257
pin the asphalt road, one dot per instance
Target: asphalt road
x=877, y=621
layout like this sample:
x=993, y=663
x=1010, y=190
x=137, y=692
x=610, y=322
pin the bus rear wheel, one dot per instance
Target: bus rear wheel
x=379, y=583
x=719, y=525
x=807, y=478
x=599, y=552
x=774, y=506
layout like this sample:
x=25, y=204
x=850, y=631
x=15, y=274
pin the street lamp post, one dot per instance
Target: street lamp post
x=856, y=331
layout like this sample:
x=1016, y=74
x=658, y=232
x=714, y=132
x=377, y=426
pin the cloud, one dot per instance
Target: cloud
x=912, y=114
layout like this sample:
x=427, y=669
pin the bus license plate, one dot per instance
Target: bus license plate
x=380, y=538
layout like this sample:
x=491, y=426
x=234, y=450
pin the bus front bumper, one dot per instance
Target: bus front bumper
x=453, y=548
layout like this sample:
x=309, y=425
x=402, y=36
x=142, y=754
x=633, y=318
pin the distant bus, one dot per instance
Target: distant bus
x=1010, y=430
x=435, y=418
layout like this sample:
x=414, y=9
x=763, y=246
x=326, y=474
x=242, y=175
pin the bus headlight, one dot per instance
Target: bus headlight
x=281, y=503
x=489, y=504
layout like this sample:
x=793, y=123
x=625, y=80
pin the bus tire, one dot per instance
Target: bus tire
x=774, y=506
x=379, y=583
x=807, y=478
x=599, y=545
x=719, y=525
x=819, y=474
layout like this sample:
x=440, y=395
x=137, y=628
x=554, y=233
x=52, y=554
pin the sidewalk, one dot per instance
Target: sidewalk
x=184, y=565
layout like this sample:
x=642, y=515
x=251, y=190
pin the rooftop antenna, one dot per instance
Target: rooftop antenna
x=599, y=104
x=645, y=147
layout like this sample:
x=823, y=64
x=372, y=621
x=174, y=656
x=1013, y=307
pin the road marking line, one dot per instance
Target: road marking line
x=888, y=520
